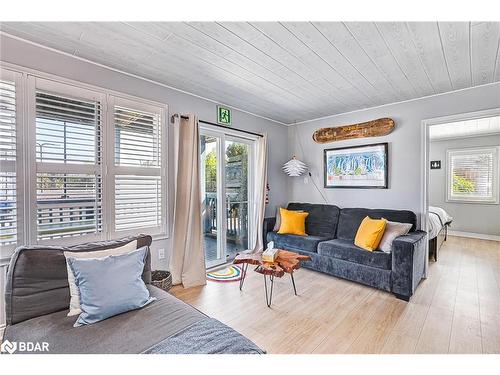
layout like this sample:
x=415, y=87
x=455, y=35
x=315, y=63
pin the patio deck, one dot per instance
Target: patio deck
x=210, y=244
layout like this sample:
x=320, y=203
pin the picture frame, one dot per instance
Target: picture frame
x=357, y=167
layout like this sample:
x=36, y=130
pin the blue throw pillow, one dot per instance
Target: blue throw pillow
x=111, y=285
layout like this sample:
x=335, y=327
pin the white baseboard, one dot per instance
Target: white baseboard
x=480, y=236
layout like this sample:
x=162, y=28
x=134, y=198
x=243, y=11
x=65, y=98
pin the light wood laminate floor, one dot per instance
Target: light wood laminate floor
x=455, y=310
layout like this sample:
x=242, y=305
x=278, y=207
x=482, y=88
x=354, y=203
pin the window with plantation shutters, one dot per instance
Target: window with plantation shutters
x=78, y=163
x=139, y=187
x=473, y=175
x=8, y=156
x=68, y=164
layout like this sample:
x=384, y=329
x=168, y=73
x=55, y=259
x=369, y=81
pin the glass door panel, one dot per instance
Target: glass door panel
x=226, y=175
x=236, y=186
x=211, y=215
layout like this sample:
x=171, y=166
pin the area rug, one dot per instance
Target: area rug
x=231, y=273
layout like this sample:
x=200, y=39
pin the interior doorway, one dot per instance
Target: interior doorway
x=461, y=177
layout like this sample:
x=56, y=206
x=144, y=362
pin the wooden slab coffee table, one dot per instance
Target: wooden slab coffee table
x=286, y=262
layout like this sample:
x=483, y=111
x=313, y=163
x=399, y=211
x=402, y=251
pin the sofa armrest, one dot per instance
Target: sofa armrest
x=408, y=262
x=268, y=227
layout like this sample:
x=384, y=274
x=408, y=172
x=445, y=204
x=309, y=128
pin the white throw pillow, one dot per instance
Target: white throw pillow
x=392, y=230
x=74, y=303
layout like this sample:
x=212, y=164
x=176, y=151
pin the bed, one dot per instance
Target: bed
x=37, y=302
x=437, y=229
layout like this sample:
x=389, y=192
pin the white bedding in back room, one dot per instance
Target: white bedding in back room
x=437, y=219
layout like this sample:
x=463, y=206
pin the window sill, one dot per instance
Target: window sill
x=466, y=201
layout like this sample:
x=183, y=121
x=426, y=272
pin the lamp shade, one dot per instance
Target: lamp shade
x=294, y=167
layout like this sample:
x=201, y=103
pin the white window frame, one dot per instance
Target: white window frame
x=26, y=84
x=468, y=151
x=112, y=170
x=17, y=166
x=37, y=83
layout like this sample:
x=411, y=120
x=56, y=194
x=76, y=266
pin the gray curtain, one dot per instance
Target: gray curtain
x=187, y=262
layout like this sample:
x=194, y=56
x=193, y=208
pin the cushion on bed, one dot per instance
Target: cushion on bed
x=37, y=278
x=110, y=285
x=74, y=303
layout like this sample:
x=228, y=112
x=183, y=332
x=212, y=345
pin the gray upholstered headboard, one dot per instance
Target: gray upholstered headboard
x=37, y=280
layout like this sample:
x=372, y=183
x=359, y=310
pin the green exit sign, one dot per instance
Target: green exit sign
x=223, y=115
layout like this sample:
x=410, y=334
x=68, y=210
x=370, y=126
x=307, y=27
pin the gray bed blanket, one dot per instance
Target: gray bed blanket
x=131, y=332
x=208, y=336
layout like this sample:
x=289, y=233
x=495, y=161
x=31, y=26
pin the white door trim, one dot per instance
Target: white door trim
x=424, y=172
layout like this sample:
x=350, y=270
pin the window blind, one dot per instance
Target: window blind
x=137, y=202
x=138, y=175
x=66, y=129
x=8, y=140
x=472, y=175
x=68, y=155
x=68, y=205
x=137, y=138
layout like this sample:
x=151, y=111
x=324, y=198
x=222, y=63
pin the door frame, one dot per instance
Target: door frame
x=425, y=159
x=223, y=135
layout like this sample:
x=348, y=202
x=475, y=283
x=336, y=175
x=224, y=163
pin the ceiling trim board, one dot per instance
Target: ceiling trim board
x=327, y=62
x=3, y=33
x=395, y=103
x=444, y=56
x=364, y=75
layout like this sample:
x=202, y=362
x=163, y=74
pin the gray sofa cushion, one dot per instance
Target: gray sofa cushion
x=346, y=250
x=37, y=278
x=294, y=242
x=322, y=220
x=350, y=219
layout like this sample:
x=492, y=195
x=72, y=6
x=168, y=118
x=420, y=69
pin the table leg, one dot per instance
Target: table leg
x=269, y=295
x=244, y=268
x=293, y=283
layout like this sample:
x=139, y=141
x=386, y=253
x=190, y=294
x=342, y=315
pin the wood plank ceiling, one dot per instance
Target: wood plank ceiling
x=288, y=71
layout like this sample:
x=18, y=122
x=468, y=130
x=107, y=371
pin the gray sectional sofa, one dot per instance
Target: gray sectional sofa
x=330, y=244
x=37, y=300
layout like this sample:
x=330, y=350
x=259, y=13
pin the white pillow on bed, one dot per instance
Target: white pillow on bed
x=74, y=302
x=393, y=229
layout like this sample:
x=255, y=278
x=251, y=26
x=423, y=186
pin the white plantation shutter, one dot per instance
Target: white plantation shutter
x=77, y=164
x=137, y=138
x=68, y=162
x=8, y=156
x=139, y=204
x=473, y=175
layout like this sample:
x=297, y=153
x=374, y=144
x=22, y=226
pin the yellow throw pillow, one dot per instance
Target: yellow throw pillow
x=370, y=233
x=293, y=222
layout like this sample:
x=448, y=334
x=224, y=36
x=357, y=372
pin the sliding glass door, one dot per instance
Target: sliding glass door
x=226, y=181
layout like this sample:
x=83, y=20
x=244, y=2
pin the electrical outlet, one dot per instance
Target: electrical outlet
x=161, y=253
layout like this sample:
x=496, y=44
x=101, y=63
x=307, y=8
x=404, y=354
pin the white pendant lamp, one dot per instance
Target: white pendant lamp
x=294, y=167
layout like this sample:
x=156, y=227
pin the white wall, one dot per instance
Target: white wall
x=467, y=217
x=31, y=56
x=404, y=148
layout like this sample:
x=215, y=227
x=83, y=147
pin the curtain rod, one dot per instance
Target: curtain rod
x=218, y=125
